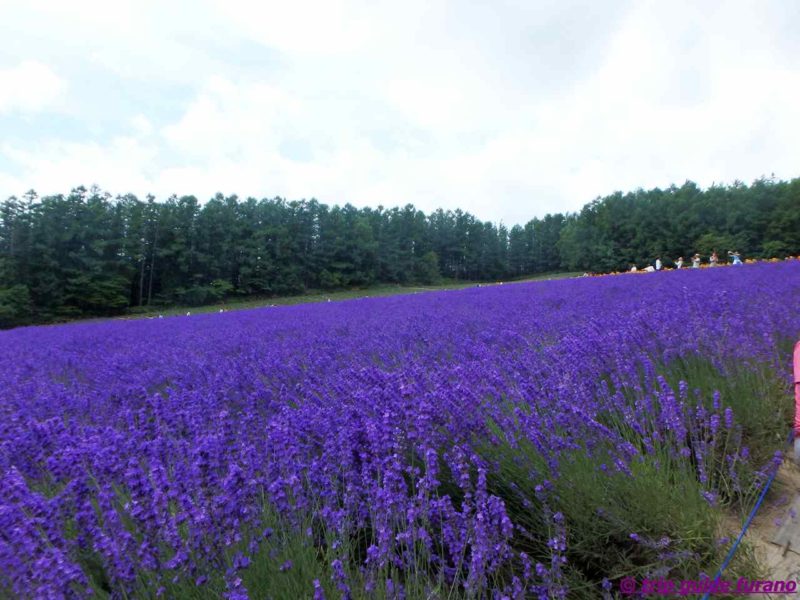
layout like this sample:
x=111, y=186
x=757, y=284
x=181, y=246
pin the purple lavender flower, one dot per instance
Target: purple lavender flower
x=165, y=448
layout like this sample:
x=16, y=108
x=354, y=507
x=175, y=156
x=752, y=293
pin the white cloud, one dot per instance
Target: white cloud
x=508, y=113
x=51, y=167
x=302, y=27
x=668, y=104
x=141, y=125
x=443, y=104
x=230, y=120
x=29, y=87
x=10, y=182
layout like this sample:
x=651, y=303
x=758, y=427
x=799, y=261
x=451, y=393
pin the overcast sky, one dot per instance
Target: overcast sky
x=509, y=110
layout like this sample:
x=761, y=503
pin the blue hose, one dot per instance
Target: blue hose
x=752, y=514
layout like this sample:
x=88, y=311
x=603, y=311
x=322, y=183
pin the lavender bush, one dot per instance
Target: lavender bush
x=513, y=441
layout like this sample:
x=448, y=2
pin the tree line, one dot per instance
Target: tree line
x=88, y=253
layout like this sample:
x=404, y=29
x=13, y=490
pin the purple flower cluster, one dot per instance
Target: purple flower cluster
x=160, y=450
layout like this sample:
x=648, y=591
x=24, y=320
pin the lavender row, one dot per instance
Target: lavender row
x=165, y=452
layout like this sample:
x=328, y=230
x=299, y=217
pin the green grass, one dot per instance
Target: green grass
x=679, y=531
x=601, y=509
x=760, y=400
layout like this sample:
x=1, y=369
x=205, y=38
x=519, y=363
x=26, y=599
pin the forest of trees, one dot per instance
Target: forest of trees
x=88, y=253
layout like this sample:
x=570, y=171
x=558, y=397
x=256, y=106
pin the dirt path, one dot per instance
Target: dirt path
x=775, y=511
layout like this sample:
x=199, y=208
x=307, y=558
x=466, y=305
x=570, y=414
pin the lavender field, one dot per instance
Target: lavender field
x=526, y=440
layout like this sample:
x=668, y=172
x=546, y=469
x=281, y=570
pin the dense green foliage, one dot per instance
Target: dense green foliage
x=90, y=254
x=761, y=220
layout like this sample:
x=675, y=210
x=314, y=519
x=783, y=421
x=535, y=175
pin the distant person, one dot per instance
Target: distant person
x=696, y=261
x=679, y=263
x=633, y=269
x=658, y=263
x=714, y=259
x=736, y=257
